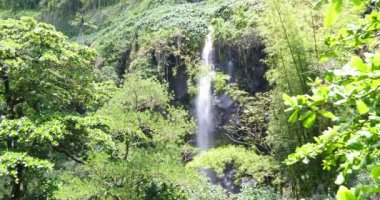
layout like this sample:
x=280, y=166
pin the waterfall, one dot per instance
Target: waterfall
x=204, y=99
x=230, y=69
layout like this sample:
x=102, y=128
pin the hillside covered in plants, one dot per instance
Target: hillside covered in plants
x=189, y=99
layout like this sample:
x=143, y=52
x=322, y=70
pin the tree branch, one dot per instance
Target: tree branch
x=68, y=154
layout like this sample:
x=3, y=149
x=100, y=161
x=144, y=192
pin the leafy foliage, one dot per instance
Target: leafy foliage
x=19, y=4
x=147, y=130
x=348, y=96
x=136, y=178
x=40, y=111
x=243, y=160
x=30, y=48
x=252, y=193
x=140, y=113
x=250, y=125
x=137, y=145
x=351, y=144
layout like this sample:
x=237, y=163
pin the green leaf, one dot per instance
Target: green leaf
x=288, y=100
x=306, y=115
x=340, y=179
x=345, y=194
x=376, y=62
x=357, y=3
x=358, y=63
x=317, y=4
x=333, y=13
x=362, y=107
x=355, y=144
x=326, y=114
x=310, y=120
x=294, y=116
x=375, y=174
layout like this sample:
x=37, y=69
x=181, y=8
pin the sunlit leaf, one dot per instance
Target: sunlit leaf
x=288, y=100
x=362, y=107
x=376, y=62
x=293, y=117
x=345, y=194
x=357, y=3
x=317, y=4
x=340, y=179
x=305, y=115
x=326, y=114
x=309, y=121
x=333, y=13
x=358, y=63
x=375, y=174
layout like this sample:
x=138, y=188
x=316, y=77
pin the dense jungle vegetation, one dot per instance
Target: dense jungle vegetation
x=97, y=99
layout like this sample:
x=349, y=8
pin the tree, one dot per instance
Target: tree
x=249, y=125
x=243, y=160
x=140, y=114
x=19, y=4
x=349, y=97
x=82, y=23
x=47, y=84
x=147, y=163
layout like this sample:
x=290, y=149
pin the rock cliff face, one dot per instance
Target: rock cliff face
x=243, y=65
x=246, y=69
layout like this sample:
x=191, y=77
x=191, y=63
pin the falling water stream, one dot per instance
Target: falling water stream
x=205, y=115
x=204, y=101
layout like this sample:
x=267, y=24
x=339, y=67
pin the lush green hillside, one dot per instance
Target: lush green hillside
x=99, y=99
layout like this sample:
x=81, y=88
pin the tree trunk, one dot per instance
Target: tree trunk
x=17, y=193
x=8, y=100
x=81, y=34
x=126, y=149
x=7, y=92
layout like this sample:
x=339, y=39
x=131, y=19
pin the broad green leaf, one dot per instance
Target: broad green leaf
x=317, y=4
x=333, y=13
x=326, y=114
x=354, y=144
x=340, y=179
x=357, y=3
x=375, y=174
x=294, y=116
x=358, y=63
x=376, y=62
x=309, y=121
x=306, y=115
x=301, y=99
x=362, y=107
x=288, y=100
x=345, y=194
x=329, y=76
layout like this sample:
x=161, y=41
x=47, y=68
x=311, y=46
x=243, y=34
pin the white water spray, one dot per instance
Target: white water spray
x=204, y=100
x=230, y=69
